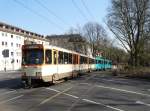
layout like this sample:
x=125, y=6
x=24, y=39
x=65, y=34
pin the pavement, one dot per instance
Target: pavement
x=97, y=91
x=10, y=71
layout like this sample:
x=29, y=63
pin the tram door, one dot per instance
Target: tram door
x=55, y=61
x=55, y=57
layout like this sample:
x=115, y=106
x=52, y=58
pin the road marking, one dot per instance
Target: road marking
x=117, y=109
x=87, y=100
x=56, y=95
x=115, y=81
x=2, y=102
x=71, y=95
x=142, y=103
x=123, y=90
x=7, y=92
x=85, y=83
x=53, y=89
x=63, y=93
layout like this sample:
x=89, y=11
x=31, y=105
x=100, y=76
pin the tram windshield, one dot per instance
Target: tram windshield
x=32, y=56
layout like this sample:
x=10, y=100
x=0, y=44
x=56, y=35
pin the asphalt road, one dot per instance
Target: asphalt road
x=96, y=91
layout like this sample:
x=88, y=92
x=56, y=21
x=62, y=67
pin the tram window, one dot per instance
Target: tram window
x=90, y=61
x=32, y=57
x=96, y=61
x=81, y=60
x=75, y=59
x=86, y=60
x=100, y=62
x=70, y=58
x=61, y=57
x=65, y=58
x=55, y=57
x=48, y=57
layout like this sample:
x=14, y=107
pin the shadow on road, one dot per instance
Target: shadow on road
x=13, y=83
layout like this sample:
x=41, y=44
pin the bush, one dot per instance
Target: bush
x=130, y=71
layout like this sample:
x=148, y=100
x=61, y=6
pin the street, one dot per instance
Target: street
x=97, y=91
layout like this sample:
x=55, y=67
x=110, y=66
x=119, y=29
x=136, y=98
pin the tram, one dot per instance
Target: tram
x=102, y=63
x=42, y=63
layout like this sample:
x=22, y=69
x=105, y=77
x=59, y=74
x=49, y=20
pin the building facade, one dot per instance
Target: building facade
x=11, y=40
x=73, y=42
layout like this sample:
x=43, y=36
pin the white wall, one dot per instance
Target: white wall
x=14, y=45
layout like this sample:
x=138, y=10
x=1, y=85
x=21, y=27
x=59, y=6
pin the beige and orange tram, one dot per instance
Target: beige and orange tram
x=50, y=63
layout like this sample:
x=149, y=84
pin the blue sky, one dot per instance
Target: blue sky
x=15, y=14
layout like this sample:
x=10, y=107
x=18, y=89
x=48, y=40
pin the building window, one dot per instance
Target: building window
x=12, y=53
x=11, y=44
x=6, y=34
x=5, y=43
x=2, y=43
x=11, y=36
x=2, y=34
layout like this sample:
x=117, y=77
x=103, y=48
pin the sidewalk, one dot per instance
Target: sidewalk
x=10, y=71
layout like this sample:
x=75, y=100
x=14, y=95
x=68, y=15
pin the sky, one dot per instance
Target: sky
x=48, y=17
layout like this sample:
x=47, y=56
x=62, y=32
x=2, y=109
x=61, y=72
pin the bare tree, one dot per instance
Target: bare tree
x=75, y=30
x=128, y=20
x=95, y=34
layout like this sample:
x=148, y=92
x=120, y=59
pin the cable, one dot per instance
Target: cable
x=87, y=9
x=38, y=14
x=80, y=11
x=51, y=12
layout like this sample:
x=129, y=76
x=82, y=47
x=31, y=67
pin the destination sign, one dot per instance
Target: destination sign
x=33, y=46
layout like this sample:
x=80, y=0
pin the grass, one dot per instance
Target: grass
x=134, y=72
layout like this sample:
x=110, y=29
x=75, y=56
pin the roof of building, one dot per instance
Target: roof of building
x=20, y=31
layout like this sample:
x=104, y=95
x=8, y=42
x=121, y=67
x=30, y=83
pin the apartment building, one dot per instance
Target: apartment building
x=11, y=40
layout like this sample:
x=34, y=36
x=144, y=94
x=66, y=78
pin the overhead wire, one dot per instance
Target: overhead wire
x=87, y=9
x=80, y=11
x=38, y=14
x=51, y=12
